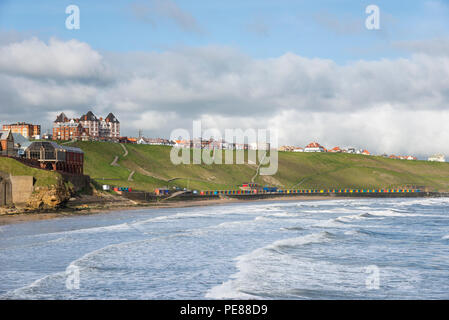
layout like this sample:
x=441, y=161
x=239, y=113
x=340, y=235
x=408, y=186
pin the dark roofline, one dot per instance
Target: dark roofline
x=61, y=118
x=112, y=118
x=89, y=116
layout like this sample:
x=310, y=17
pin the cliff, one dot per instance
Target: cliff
x=49, y=197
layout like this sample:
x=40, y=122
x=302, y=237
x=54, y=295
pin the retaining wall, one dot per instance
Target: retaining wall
x=22, y=188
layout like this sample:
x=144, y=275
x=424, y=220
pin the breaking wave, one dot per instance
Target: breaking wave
x=254, y=264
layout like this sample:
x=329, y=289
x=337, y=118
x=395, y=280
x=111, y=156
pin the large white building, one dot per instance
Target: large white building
x=108, y=127
x=437, y=157
x=87, y=127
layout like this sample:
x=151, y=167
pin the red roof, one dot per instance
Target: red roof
x=335, y=149
x=314, y=145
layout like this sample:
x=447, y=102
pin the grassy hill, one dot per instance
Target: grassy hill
x=153, y=168
x=15, y=168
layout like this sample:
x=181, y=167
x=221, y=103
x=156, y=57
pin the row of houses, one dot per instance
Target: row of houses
x=155, y=141
x=399, y=157
x=200, y=144
x=316, y=147
x=219, y=144
x=41, y=154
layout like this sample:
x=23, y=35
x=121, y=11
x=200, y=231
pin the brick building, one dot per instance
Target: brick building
x=113, y=125
x=68, y=129
x=6, y=143
x=27, y=130
x=90, y=122
x=87, y=127
x=52, y=156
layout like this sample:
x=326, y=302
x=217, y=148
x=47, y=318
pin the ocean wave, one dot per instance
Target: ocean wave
x=292, y=228
x=65, y=235
x=232, y=224
x=351, y=218
x=331, y=223
x=282, y=214
x=263, y=218
x=352, y=232
x=173, y=217
x=230, y=211
x=55, y=282
x=300, y=241
x=246, y=283
x=114, y=227
x=394, y=213
x=32, y=291
x=241, y=224
x=423, y=202
x=363, y=232
x=229, y=290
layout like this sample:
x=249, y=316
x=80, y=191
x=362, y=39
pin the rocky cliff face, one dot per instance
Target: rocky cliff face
x=51, y=197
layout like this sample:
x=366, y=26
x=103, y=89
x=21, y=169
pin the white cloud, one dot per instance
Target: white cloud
x=57, y=59
x=393, y=106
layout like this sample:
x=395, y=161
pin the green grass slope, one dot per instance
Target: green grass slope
x=16, y=168
x=153, y=168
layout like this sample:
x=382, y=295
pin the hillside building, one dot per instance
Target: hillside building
x=314, y=147
x=27, y=130
x=437, y=158
x=68, y=129
x=87, y=127
x=52, y=156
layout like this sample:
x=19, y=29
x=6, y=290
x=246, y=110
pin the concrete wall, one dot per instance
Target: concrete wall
x=22, y=188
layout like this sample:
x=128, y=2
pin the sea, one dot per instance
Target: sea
x=394, y=248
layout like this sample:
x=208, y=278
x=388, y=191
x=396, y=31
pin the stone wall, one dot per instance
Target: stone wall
x=79, y=182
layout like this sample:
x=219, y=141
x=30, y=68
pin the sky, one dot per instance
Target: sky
x=309, y=69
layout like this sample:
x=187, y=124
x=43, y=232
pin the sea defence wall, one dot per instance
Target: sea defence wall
x=151, y=197
x=22, y=188
x=79, y=182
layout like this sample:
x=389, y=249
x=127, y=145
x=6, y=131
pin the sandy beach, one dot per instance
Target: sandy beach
x=105, y=207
